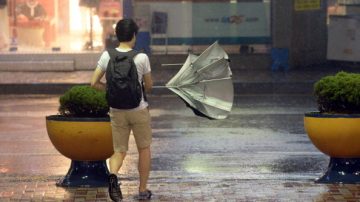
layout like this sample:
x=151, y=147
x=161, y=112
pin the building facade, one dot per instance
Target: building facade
x=171, y=26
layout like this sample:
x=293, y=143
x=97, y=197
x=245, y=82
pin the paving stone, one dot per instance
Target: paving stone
x=243, y=165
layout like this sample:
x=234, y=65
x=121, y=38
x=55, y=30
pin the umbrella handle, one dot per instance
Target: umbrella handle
x=159, y=87
x=175, y=64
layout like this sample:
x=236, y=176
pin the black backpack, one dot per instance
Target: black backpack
x=123, y=90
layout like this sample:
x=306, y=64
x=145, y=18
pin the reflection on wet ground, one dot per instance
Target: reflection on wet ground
x=260, y=153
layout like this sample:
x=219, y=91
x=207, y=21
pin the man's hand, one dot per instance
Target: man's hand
x=99, y=86
x=95, y=80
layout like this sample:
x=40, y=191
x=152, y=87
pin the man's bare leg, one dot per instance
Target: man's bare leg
x=116, y=161
x=144, y=167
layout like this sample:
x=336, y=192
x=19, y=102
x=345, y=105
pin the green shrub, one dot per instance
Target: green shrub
x=339, y=93
x=83, y=101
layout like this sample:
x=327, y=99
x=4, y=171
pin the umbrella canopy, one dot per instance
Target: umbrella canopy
x=204, y=83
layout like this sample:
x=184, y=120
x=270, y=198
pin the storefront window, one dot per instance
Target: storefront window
x=57, y=25
x=181, y=26
x=174, y=25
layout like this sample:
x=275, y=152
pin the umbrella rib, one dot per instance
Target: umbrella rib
x=208, y=80
x=203, y=81
x=219, y=60
x=199, y=79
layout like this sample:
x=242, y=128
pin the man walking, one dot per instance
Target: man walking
x=127, y=115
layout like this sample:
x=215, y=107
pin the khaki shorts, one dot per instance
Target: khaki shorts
x=122, y=122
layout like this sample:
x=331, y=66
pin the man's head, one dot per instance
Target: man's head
x=125, y=30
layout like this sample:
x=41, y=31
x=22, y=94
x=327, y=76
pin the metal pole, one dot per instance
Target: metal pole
x=13, y=43
x=91, y=29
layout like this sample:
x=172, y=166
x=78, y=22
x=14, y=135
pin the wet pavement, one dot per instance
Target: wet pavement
x=246, y=81
x=260, y=153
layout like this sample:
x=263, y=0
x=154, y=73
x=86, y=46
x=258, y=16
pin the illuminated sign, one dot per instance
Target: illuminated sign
x=230, y=20
x=304, y=5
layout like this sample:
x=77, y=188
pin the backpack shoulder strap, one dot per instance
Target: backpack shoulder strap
x=112, y=53
x=131, y=54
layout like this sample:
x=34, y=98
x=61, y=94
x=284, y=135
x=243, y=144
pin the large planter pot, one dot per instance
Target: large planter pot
x=88, y=143
x=338, y=136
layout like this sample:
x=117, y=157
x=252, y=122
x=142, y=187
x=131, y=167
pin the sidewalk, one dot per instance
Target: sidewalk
x=246, y=81
x=260, y=153
x=241, y=191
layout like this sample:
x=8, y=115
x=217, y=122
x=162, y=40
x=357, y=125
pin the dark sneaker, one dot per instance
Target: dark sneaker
x=146, y=195
x=114, y=188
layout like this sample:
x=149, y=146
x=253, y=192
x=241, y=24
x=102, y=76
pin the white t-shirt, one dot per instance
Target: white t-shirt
x=142, y=63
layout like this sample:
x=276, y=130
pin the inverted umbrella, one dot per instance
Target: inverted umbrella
x=204, y=83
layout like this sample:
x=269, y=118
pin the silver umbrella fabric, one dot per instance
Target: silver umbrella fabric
x=204, y=83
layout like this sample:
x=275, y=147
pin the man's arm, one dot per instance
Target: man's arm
x=148, y=83
x=96, y=79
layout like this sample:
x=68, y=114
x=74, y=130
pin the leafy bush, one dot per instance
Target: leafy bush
x=339, y=93
x=83, y=101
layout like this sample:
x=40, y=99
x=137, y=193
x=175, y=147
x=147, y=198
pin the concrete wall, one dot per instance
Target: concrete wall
x=281, y=23
x=304, y=33
x=88, y=61
x=309, y=37
x=249, y=61
x=48, y=61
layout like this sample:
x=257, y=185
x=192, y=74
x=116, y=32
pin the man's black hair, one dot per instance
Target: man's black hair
x=125, y=29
